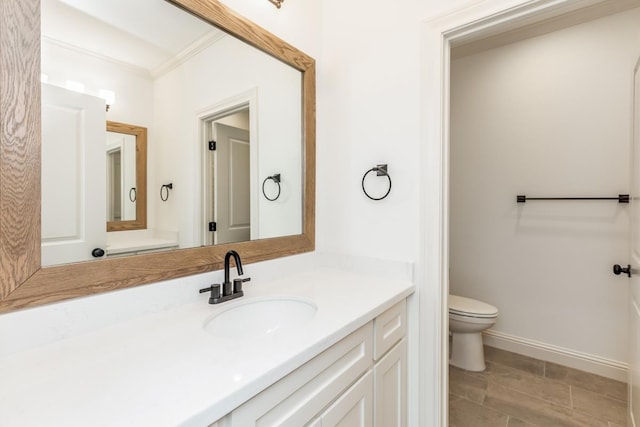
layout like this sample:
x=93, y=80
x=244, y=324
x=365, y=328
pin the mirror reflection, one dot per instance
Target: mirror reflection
x=191, y=88
x=121, y=175
x=126, y=186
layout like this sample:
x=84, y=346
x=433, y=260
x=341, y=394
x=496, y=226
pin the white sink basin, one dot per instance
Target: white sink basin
x=260, y=316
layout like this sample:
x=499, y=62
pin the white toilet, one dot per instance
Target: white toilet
x=467, y=319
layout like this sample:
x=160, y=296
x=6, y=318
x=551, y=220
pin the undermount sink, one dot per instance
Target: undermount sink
x=260, y=316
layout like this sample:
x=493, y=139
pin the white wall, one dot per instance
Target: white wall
x=132, y=86
x=369, y=113
x=213, y=76
x=548, y=116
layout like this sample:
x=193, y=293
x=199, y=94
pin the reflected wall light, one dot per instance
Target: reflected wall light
x=277, y=3
x=109, y=97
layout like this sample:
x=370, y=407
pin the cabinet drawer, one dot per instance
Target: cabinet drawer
x=299, y=397
x=389, y=328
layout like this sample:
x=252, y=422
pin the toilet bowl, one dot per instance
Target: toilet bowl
x=467, y=319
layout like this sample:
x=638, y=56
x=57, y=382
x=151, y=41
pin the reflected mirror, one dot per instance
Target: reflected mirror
x=184, y=86
x=24, y=282
x=126, y=176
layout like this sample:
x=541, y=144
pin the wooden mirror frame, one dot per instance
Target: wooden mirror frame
x=140, y=223
x=23, y=282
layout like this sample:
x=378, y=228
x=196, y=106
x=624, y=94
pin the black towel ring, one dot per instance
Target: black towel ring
x=164, y=196
x=380, y=170
x=275, y=178
x=135, y=194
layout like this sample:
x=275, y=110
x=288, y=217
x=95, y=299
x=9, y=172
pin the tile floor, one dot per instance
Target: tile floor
x=519, y=391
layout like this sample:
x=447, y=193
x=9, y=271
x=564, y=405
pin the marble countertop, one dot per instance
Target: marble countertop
x=165, y=369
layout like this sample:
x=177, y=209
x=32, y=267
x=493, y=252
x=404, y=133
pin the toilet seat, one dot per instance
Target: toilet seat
x=471, y=308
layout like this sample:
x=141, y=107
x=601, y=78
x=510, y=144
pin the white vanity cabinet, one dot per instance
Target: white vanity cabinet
x=359, y=381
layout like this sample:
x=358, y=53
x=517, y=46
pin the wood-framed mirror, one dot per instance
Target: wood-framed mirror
x=126, y=178
x=23, y=281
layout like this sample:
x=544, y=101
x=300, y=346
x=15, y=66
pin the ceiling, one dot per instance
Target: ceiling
x=143, y=33
x=537, y=25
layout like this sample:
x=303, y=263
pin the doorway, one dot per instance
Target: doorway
x=479, y=22
x=227, y=183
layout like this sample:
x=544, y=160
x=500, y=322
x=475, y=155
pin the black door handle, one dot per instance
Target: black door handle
x=97, y=252
x=617, y=270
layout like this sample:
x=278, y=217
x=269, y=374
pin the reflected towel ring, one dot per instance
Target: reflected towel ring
x=275, y=178
x=164, y=196
x=135, y=194
x=381, y=170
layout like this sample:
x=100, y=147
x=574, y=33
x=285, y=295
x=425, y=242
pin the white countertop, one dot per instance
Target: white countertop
x=164, y=369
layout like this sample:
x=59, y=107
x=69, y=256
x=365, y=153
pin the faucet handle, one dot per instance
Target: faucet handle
x=215, y=290
x=237, y=284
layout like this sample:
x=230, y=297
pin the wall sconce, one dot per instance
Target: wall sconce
x=277, y=3
x=109, y=97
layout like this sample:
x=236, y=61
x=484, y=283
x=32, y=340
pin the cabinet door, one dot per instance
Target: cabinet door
x=353, y=408
x=390, y=387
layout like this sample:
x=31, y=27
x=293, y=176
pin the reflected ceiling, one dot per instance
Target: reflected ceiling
x=148, y=44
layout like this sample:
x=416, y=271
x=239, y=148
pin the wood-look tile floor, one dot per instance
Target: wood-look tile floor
x=519, y=391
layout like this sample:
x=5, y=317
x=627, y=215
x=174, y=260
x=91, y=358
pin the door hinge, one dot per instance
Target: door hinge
x=212, y=226
x=212, y=145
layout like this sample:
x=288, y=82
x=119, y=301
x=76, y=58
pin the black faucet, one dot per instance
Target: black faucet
x=226, y=285
x=228, y=292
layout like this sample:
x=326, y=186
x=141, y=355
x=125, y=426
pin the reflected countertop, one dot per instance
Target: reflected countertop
x=147, y=244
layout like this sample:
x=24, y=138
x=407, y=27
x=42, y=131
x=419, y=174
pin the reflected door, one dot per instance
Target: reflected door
x=634, y=281
x=231, y=185
x=73, y=163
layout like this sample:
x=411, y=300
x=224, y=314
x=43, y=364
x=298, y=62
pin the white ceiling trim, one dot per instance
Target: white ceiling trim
x=187, y=53
x=123, y=64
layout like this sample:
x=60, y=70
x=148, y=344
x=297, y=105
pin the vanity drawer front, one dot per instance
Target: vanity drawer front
x=389, y=328
x=299, y=397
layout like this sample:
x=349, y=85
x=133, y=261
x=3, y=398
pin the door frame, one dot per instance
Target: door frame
x=247, y=99
x=429, y=406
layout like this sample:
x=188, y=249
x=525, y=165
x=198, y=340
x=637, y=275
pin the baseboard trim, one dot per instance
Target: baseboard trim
x=563, y=356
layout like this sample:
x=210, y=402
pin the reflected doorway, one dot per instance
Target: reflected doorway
x=227, y=186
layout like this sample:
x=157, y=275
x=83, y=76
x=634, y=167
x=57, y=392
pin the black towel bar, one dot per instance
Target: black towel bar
x=622, y=198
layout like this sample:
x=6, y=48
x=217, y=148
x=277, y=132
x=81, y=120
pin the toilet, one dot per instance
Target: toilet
x=467, y=319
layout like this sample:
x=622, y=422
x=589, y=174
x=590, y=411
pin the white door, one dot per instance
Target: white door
x=232, y=200
x=634, y=281
x=73, y=175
